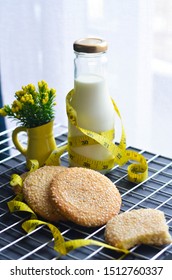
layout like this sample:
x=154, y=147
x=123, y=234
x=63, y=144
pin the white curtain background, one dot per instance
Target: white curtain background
x=36, y=38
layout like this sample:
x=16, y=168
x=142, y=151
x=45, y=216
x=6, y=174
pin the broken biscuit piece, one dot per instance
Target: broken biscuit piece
x=142, y=226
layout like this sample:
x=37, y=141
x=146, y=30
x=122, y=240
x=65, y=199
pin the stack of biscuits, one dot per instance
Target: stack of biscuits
x=80, y=195
x=90, y=199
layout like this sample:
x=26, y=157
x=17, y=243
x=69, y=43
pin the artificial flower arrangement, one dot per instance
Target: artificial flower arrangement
x=32, y=107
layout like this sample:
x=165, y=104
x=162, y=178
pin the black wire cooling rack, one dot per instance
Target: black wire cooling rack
x=155, y=192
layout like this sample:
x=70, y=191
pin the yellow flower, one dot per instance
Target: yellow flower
x=19, y=105
x=19, y=93
x=23, y=99
x=43, y=85
x=13, y=109
x=2, y=112
x=31, y=87
x=45, y=100
x=53, y=91
x=31, y=101
x=16, y=106
x=27, y=98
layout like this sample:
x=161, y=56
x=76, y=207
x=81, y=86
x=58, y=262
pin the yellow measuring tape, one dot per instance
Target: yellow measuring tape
x=137, y=172
x=62, y=246
x=17, y=181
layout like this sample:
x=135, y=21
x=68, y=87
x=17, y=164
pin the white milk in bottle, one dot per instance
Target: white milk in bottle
x=91, y=100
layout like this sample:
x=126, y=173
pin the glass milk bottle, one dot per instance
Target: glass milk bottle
x=92, y=103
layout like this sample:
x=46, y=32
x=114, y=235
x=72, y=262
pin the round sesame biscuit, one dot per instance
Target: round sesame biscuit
x=85, y=196
x=36, y=192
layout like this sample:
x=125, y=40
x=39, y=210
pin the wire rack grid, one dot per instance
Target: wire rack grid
x=155, y=192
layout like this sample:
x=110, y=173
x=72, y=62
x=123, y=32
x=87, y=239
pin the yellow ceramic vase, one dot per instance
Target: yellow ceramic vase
x=40, y=142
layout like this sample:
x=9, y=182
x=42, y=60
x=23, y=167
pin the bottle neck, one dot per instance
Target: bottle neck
x=90, y=64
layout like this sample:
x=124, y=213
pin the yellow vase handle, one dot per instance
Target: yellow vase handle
x=16, y=140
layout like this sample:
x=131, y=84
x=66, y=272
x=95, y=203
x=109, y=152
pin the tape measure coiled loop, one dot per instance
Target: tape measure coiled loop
x=137, y=172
